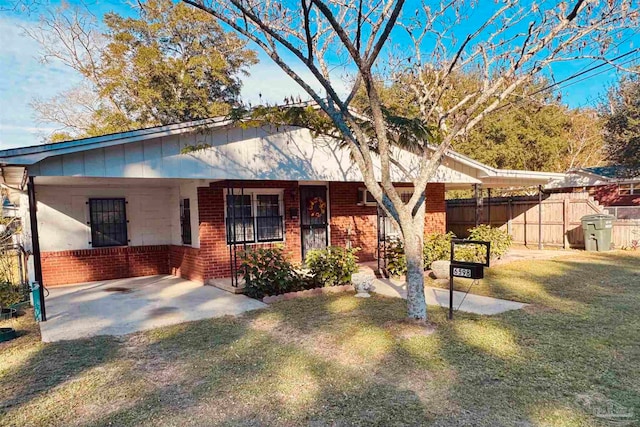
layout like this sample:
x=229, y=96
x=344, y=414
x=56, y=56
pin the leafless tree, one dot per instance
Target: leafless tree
x=507, y=43
x=71, y=35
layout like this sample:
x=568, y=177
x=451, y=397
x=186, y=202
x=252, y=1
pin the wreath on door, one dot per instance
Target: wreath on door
x=317, y=207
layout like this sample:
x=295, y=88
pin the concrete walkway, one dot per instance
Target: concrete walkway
x=123, y=306
x=477, y=304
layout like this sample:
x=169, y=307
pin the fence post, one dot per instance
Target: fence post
x=509, y=217
x=477, y=192
x=539, y=216
x=565, y=223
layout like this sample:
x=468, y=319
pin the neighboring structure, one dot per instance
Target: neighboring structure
x=610, y=186
x=132, y=204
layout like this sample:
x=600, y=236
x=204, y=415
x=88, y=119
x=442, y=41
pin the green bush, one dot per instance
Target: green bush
x=396, y=261
x=266, y=271
x=500, y=239
x=8, y=295
x=436, y=247
x=332, y=266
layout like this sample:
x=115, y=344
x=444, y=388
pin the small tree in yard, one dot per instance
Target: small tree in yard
x=509, y=44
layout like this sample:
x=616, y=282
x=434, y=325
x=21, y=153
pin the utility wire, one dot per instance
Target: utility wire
x=576, y=75
x=599, y=72
x=588, y=70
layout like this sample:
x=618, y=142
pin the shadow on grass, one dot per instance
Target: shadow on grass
x=338, y=360
x=52, y=365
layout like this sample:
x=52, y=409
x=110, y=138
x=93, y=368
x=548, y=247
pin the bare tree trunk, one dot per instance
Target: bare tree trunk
x=416, y=304
x=413, y=235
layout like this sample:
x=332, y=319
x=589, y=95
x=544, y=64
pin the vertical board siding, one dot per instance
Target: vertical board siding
x=561, y=224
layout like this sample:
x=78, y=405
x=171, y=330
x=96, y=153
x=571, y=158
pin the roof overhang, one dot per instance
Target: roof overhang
x=35, y=153
x=14, y=160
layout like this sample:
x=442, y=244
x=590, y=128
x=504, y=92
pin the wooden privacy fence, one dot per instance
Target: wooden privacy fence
x=556, y=220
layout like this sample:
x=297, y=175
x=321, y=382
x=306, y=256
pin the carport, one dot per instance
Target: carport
x=123, y=306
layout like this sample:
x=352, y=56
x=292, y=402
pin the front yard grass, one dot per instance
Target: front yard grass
x=339, y=360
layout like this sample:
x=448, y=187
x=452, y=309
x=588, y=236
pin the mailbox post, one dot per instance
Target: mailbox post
x=466, y=269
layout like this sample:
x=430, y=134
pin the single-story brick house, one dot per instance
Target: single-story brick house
x=610, y=186
x=134, y=204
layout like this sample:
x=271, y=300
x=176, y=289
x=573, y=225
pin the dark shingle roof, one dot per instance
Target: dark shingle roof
x=616, y=171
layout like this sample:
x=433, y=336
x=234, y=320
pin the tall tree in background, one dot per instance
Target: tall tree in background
x=621, y=113
x=508, y=44
x=535, y=132
x=172, y=63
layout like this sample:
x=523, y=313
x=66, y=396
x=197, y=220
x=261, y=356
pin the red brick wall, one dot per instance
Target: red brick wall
x=350, y=222
x=435, y=220
x=214, y=251
x=185, y=262
x=88, y=265
x=607, y=195
x=357, y=224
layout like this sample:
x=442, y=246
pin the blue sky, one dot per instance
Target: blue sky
x=25, y=78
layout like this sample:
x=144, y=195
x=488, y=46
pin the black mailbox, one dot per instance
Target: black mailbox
x=466, y=269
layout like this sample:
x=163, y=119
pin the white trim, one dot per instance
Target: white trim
x=29, y=154
x=634, y=188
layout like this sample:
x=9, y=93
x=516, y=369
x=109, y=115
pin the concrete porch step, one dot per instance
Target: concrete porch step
x=225, y=285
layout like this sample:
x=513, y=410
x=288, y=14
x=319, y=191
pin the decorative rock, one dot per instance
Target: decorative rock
x=440, y=269
x=363, y=283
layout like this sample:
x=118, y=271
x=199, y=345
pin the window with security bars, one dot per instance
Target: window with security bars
x=239, y=218
x=254, y=218
x=268, y=218
x=185, y=221
x=108, y=220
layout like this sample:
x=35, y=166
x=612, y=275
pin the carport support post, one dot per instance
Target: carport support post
x=539, y=216
x=35, y=244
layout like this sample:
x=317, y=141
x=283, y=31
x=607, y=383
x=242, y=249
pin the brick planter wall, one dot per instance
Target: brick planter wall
x=88, y=265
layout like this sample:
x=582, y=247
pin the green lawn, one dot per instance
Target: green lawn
x=339, y=360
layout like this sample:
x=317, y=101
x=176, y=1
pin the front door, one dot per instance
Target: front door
x=313, y=218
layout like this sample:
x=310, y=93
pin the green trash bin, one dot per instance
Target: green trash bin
x=598, y=230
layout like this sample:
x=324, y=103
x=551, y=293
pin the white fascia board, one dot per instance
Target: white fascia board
x=34, y=154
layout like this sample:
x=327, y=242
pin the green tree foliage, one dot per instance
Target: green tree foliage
x=528, y=132
x=622, y=123
x=171, y=63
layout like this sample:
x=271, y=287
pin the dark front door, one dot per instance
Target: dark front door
x=313, y=218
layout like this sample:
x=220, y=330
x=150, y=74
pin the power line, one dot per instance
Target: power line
x=600, y=72
x=588, y=70
x=578, y=74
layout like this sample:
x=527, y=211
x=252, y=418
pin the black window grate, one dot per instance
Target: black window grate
x=185, y=221
x=251, y=220
x=269, y=228
x=108, y=220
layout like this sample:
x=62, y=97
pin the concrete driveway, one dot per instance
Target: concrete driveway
x=123, y=306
